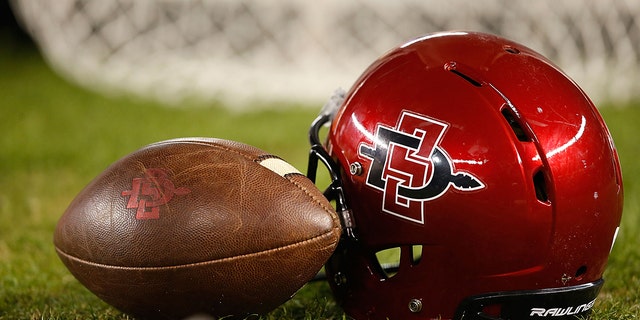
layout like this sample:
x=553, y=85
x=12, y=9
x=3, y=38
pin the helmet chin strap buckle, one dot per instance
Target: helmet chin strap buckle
x=348, y=223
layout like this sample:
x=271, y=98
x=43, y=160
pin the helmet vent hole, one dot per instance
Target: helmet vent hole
x=511, y=50
x=466, y=77
x=540, y=185
x=520, y=133
x=580, y=272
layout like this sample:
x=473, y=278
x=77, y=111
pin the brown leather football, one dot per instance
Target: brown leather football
x=197, y=226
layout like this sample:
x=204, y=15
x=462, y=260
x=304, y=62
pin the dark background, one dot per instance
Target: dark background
x=12, y=36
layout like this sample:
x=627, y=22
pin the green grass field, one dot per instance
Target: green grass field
x=56, y=137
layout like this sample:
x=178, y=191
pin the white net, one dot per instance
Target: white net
x=239, y=51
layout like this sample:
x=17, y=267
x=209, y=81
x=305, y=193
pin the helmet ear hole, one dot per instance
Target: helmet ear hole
x=540, y=184
x=388, y=260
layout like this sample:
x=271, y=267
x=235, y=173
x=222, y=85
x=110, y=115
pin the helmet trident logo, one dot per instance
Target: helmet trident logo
x=410, y=167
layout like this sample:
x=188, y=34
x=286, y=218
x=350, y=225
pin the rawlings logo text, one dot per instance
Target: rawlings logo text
x=559, y=312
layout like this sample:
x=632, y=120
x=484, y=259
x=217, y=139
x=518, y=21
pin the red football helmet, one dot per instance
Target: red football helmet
x=486, y=167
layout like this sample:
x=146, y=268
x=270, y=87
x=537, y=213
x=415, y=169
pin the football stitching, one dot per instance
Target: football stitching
x=313, y=197
x=266, y=155
x=259, y=158
x=195, y=264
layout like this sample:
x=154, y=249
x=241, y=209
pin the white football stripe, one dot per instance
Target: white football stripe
x=279, y=166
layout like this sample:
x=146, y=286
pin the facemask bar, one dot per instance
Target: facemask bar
x=334, y=191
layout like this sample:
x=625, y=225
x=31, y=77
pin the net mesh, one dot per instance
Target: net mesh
x=245, y=50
